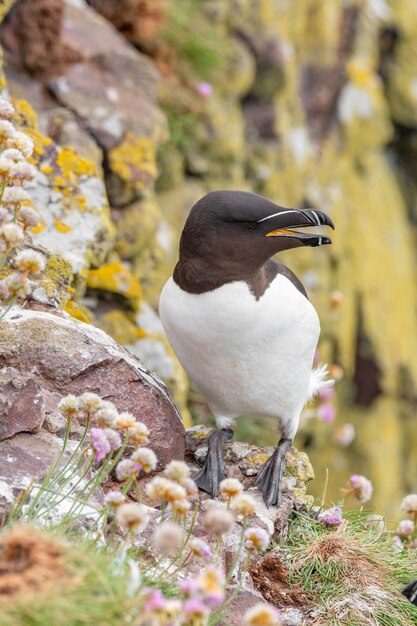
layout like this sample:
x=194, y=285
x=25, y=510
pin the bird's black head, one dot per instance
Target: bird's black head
x=236, y=232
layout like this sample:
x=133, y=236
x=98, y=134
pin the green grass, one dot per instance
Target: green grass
x=352, y=576
x=91, y=590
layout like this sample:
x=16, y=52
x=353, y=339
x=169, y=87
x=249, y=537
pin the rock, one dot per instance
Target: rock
x=116, y=278
x=244, y=601
x=55, y=355
x=24, y=458
x=113, y=90
x=71, y=198
x=243, y=461
x=21, y=404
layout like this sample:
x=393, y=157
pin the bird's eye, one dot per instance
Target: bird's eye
x=252, y=225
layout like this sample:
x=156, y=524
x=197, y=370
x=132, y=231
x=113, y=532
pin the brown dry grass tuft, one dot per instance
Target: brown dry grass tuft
x=30, y=563
x=270, y=577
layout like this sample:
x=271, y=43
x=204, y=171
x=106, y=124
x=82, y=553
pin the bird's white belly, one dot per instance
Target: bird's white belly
x=248, y=356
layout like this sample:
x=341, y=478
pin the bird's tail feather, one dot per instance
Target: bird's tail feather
x=319, y=381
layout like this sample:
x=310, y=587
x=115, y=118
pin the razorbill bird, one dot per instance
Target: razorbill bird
x=240, y=322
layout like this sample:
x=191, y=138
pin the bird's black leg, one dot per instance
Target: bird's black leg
x=210, y=476
x=269, y=479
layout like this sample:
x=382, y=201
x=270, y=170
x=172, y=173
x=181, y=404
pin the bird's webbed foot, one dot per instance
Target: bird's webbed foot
x=212, y=473
x=269, y=479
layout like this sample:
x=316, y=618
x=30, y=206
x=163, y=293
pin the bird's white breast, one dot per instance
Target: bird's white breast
x=248, y=356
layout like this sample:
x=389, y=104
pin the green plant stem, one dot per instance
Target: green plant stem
x=12, y=301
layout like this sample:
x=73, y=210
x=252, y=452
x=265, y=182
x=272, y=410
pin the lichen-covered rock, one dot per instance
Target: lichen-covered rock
x=71, y=198
x=56, y=354
x=113, y=90
x=244, y=461
x=117, y=279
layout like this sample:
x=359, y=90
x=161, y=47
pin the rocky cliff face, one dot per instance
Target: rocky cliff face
x=309, y=103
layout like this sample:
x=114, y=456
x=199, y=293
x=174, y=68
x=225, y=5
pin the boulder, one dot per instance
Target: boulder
x=47, y=355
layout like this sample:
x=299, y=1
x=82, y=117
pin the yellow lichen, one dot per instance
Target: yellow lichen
x=61, y=227
x=25, y=116
x=38, y=229
x=56, y=279
x=46, y=168
x=79, y=312
x=72, y=165
x=259, y=459
x=134, y=160
x=116, y=278
x=118, y=325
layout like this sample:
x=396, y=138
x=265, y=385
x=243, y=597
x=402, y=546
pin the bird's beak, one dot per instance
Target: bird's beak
x=284, y=223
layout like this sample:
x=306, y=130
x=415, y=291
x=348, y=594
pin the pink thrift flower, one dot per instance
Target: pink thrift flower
x=327, y=394
x=331, y=517
x=188, y=587
x=204, y=89
x=156, y=601
x=99, y=443
x=326, y=412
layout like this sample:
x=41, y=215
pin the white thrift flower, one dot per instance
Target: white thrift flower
x=218, y=521
x=17, y=285
x=156, y=488
x=180, y=508
x=191, y=488
x=177, y=471
x=12, y=233
x=230, y=488
x=4, y=215
x=124, y=421
x=68, y=405
x=405, y=528
x=134, y=517
x=167, y=539
x=114, y=499
x=22, y=171
x=409, y=503
x=105, y=415
x=6, y=108
x=4, y=290
x=138, y=434
x=244, y=505
x=21, y=142
x=13, y=155
x=90, y=403
x=30, y=262
x=146, y=458
x=125, y=469
x=29, y=216
x=261, y=615
x=5, y=165
x=14, y=195
x=256, y=539
x=7, y=130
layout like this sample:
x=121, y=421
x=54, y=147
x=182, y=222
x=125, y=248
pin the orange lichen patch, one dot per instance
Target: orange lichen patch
x=116, y=278
x=59, y=181
x=79, y=312
x=61, y=227
x=30, y=563
x=134, y=160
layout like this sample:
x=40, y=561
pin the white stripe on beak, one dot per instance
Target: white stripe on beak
x=268, y=217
